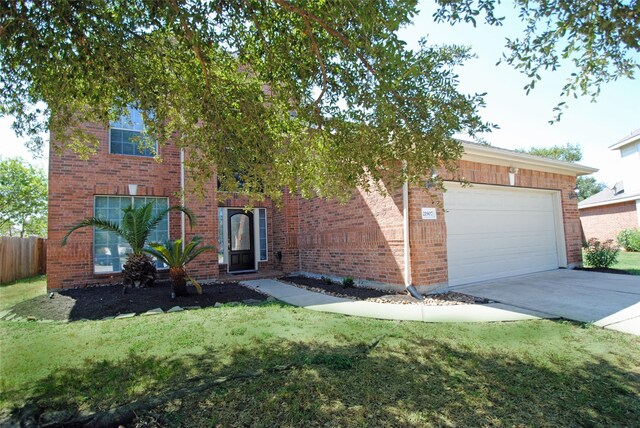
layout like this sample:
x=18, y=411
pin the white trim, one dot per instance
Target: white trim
x=405, y=233
x=256, y=234
x=627, y=140
x=635, y=197
x=256, y=238
x=182, y=200
x=561, y=243
x=225, y=236
x=503, y=157
x=266, y=232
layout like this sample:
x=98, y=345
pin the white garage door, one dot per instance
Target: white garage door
x=494, y=232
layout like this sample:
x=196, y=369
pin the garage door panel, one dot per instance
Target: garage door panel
x=492, y=233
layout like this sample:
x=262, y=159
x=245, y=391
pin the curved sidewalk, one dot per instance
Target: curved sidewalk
x=390, y=311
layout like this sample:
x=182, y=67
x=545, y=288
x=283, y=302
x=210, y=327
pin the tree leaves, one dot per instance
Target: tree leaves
x=23, y=199
x=317, y=97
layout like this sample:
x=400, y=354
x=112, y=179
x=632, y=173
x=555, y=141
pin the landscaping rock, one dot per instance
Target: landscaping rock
x=10, y=317
x=4, y=314
x=271, y=299
x=122, y=316
x=155, y=311
x=251, y=301
x=175, y=309
x=31, y=318
x=217, y=305
x=108, y=318
x=190, y=308
x=234, y=304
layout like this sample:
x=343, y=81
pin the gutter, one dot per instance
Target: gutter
x=182, y=199
x=407, y=248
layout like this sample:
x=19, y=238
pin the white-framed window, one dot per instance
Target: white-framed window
x=110, y=250
x=127, y=136
x=262, y=235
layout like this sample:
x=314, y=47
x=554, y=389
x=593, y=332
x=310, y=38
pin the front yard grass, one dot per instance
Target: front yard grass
x=24, y=289
x=535, y=373
x=629, y=262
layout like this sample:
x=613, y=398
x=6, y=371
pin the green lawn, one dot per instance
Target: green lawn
x=10, y=294
x=536, y=373
x=629, y=262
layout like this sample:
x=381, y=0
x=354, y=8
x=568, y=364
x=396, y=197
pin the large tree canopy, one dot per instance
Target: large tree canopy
x=316, y=96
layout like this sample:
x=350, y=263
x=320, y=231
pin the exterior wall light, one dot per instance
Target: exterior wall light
x=432, y=178
x=573, y=194
x=512, y=176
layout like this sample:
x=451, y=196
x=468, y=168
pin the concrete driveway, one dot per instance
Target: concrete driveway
x=607, y=300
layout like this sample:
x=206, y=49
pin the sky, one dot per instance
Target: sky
x=523, y=119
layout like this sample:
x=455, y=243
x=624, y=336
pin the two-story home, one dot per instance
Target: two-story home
x=606, y=213
x=519, y=215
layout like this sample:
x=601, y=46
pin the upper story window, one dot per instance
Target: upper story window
x=127, y=136
x=629, y=150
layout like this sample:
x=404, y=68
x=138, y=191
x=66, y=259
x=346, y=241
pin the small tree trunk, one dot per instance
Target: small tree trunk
x=178, y=281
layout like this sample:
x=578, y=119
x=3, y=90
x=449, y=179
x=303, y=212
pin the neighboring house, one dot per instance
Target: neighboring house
x=520, y=215
x=605, y=214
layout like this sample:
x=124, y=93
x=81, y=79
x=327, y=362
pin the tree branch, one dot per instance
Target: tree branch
x=194, y=46
x=316, y=51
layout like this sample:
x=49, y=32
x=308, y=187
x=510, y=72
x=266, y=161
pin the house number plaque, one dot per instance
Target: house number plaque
x=428, y=213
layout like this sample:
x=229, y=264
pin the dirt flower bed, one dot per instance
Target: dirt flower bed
x=380, y=296
x=99, y=302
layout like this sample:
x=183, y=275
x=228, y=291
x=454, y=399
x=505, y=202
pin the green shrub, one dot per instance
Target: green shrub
x=600, y=254
x=326, y=280
x=629, y=239
x=347, y=282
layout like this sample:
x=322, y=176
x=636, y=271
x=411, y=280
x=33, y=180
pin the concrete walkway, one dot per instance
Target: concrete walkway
x=608, y=300
x=389, y=311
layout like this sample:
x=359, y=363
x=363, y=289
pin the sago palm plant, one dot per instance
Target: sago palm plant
x=135, y=227
x=177, y=258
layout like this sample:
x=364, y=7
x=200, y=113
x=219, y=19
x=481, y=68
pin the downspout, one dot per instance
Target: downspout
x=182, y=199
x=407, y=248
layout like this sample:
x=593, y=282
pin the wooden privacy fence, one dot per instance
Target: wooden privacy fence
x=21, y=258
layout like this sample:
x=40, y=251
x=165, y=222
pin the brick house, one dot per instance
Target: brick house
x=519, y=216
x=606, y=213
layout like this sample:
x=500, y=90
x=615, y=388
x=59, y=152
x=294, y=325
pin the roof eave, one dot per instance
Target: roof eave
x=610, y=202
x=488, y=154
x=628, y=140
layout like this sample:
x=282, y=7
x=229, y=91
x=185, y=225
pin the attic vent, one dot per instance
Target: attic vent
x=618, y=188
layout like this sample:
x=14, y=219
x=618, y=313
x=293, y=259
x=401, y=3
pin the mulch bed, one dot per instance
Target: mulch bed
x=93, y=303
x=381, y=296
x=604, y=270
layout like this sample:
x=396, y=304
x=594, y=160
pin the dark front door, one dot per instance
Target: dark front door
x=241, y=252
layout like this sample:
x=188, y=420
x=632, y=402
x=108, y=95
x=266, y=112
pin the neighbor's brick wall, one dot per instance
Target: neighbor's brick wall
x=362, y=238
x=607, y=221
x=74, y=182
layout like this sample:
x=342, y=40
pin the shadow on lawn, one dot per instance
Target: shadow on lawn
x=416, y=383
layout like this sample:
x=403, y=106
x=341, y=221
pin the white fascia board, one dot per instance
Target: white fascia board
x=611, y=202
x=629, y=140
x=496, y=156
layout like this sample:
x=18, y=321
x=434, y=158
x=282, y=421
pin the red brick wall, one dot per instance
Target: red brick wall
x=607, y=221
x=362, y=238
x=74, y=182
